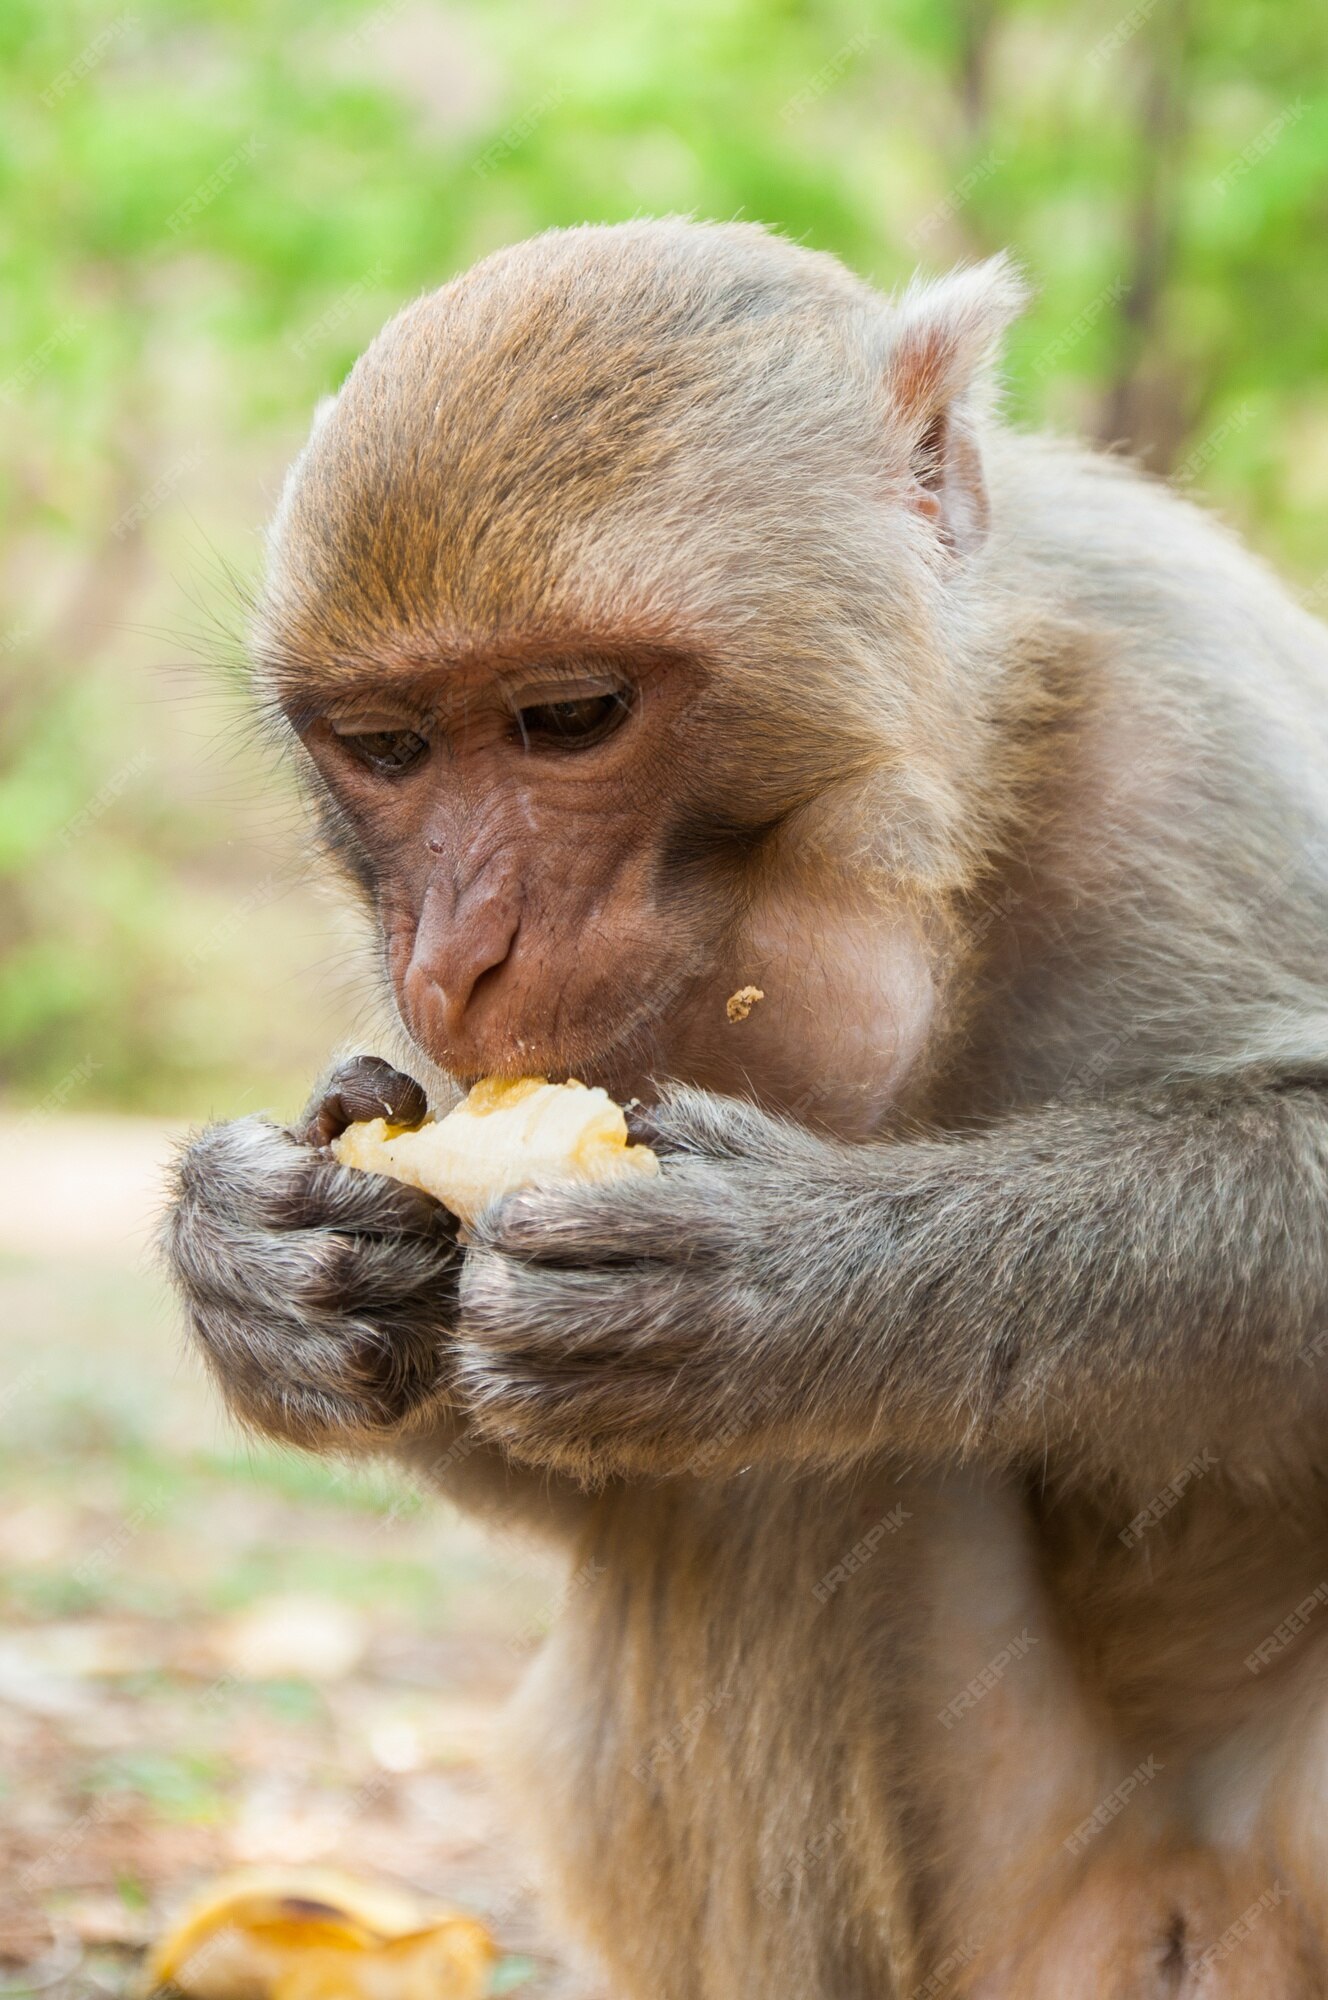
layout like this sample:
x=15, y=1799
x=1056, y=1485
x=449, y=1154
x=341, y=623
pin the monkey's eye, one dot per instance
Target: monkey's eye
x=387, y=750
x=573, y=723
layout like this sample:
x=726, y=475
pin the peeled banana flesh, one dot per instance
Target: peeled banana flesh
x=504, y=1136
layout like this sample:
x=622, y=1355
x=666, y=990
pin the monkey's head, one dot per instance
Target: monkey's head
x=618, y=603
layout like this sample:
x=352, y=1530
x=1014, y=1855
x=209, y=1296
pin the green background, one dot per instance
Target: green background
x=208, y=206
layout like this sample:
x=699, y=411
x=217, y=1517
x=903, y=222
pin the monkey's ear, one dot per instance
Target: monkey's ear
x=941, y=343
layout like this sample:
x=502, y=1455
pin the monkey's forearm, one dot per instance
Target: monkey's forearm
x=1100, y=1280
x=1118, y=1284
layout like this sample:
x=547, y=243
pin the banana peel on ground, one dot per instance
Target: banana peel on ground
x=315, y=1934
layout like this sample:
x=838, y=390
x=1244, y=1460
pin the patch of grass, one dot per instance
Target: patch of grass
x=369, y=1581
x=312, y=1481
x=185, y=1787
x=292, y=1700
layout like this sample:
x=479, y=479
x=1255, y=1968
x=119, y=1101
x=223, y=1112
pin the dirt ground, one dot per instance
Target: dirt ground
x=211, y=1653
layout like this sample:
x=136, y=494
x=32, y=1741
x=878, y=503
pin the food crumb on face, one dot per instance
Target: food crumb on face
x=739, y=1005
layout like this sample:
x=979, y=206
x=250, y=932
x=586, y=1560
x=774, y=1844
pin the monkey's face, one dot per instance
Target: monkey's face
x=602, y=577
x=519, y=826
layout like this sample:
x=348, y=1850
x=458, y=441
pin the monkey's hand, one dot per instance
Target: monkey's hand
x=322, y=1298
x=646, y=1326
x=778, y=1296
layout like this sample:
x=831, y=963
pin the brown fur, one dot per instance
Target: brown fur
x=939, y=1463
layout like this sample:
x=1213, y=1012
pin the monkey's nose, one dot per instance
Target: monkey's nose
x=448, y=969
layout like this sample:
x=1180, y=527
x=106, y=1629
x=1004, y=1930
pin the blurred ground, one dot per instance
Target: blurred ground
x=212, y=1653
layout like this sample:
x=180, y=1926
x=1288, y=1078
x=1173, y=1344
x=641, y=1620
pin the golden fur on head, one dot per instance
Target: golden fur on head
x=667, y=434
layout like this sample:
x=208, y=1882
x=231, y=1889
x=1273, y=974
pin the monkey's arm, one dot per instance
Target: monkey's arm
x=1125, y=1283
x=324, y=1300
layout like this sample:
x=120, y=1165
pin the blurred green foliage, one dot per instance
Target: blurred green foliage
x=207, y=206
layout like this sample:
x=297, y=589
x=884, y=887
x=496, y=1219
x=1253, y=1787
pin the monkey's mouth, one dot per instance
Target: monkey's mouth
x=630, y=1061
x=630, y=1065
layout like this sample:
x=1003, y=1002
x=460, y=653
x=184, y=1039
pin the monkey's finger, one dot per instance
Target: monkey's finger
x=584, y=1436
x=363, y=1087
x=649, y=1317
x=337, y=1197
x=245, y=1225
x=686, y=1120
x=632, y=1388
x=257, y=1175
x=307, y=1273
x=349, y=1374
x=682, y=1217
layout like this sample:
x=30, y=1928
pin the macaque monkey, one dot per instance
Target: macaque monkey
x=939, y=1442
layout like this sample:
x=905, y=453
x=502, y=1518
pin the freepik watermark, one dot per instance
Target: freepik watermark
x=269, y=890
x=161, y=490
x=1124, y=31
x=826, y=77
x=373, y=25
x=1168, y=1496
x=736, y=1428
x=30, y=1381
x=216, y=183
x=860, y=1554
x=59, y=1094
x=89, y=57
x=50, y=1869
x=959, y=196
x=589, y=1572
x=1111, y=1806
x=516, y=133
x=1080, y=326
x=1086, y=1077
x=337, y=313
x=13, y=386
x=103, y=799
x=1288, y=1631
x=679, y=1741
x=1248, y=158
x=809, y=1856
x=406, y=1504
x=92, y=1568
x=942, y=1979
x=1239, y=1930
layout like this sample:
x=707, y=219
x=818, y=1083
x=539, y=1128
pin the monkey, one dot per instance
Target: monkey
x=936, y=1444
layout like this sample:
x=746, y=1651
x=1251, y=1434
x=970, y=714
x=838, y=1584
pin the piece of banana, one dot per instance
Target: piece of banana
x=316, y=1934
x=502, y=1137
